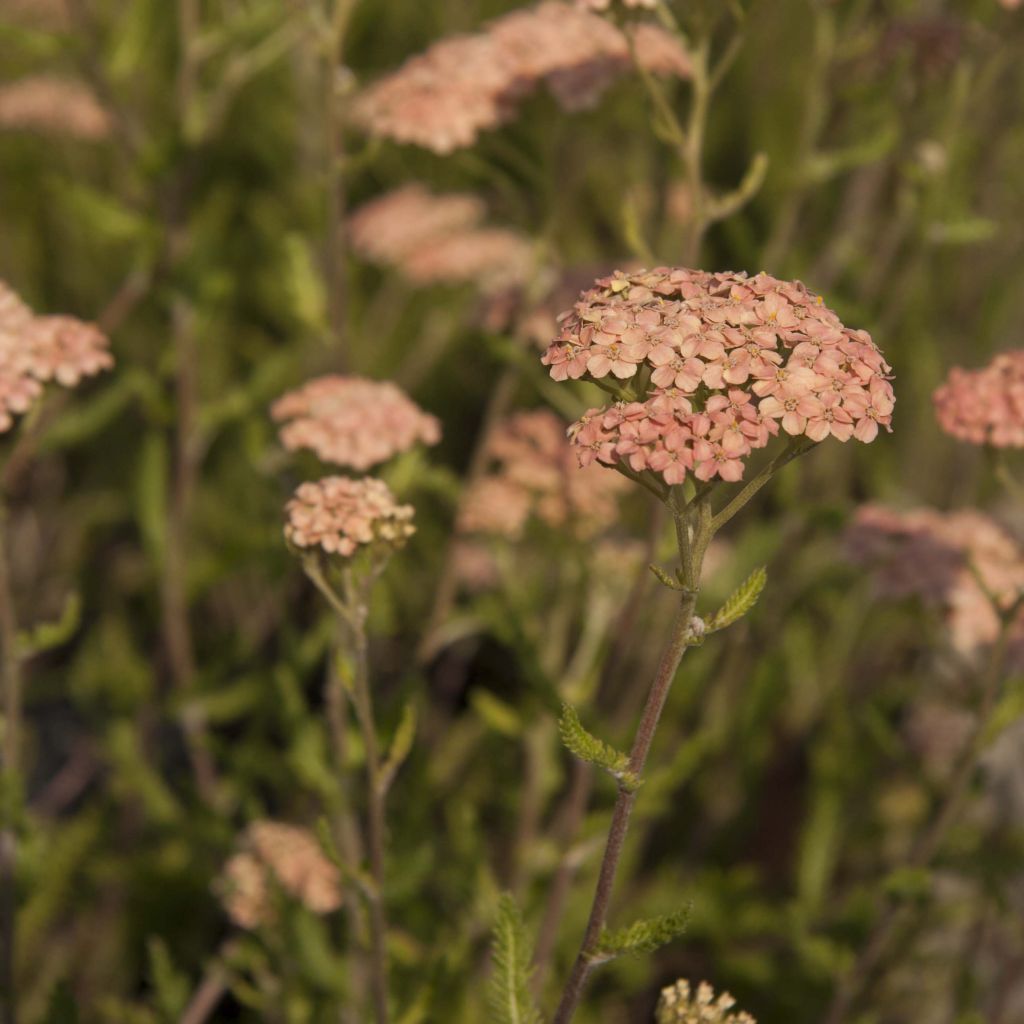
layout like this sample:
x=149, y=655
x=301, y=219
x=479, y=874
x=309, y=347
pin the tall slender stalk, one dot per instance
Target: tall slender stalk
x=10, y=782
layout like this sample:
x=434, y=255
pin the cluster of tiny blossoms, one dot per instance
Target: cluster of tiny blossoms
x=534, y=474
x=985, y=406
x=275, y=853
x=352, y=421
x=443, y=98
x=35, y=350
x=439, y=239
x=53, y=106
x=715, y=364
x=679, y=1004
x=339, y=515
x=955, y=561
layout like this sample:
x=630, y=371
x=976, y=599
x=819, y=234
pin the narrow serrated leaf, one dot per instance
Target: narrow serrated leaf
x=401, y=744
x=643, y=936
x=739, y=602
x=589, y=748
x=509, y=990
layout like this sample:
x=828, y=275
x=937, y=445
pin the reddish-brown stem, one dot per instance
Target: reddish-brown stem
x=670, y=659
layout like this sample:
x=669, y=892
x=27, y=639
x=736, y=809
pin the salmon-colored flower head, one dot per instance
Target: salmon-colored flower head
x=35, y=350
x=680, y=1004
x=341, y=516
x=534, y=474
x=53, y=106
x=352, y=421
x=711, y=366
x=443, y=98
x=273, y=854
x=985, y=406
x=957, y=562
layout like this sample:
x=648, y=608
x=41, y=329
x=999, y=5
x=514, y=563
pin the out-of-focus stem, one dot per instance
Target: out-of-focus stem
x=10, y=782
x=693, y=531
x=891, y=914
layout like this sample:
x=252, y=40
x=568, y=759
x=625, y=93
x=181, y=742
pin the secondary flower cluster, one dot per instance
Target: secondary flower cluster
x=679, y=1004
x=339, y=514
x=439, y=239
x=534, y=474
x=715, y=364
x=948, y=559
x=35, y=350
x=273, y=853
x=985, y=406
x=352, y=421
x=53, y=106
x=443, y=98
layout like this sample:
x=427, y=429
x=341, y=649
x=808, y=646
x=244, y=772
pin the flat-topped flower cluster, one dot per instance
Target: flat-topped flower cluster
x=681, y=1004
x=35, y=350
x=289, y=857
x=443, y=98
x=353, y=421
x=985, y=406
x=339, y=514
x=708, y=367
x=440, y=239
x=534, y=474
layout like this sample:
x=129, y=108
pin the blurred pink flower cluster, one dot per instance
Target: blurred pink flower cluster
x=339, y=514
x=985, y=406
x=715, y=364
x=534, y=474
x=438, y=239
x=274, y=854
x=35, y=350
x=53, y=106
x=352, y=421
x=443, y=98
x=948, y=559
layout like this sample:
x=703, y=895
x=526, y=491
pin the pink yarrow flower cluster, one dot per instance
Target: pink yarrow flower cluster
x=443, y=98
x=682, y=1004
x=35, y=350
x=352, y=421
x=712, y=366
x=440, y=239
x=534, y=474
x=985, y=406
x=273, y=854
x=954, y=561
x=340, y=516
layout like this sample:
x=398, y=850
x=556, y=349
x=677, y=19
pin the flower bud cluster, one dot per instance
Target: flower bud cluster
x=985, y=406
x=710, y=366
x=273, y=853
x=35, y=350
x=443, y=98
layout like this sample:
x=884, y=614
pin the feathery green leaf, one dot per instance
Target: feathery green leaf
x=739, y=602
x=509, y=990
x=643, y=936
x=589, y=748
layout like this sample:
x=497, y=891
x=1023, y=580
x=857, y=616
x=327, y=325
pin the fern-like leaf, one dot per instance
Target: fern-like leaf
x=739, y=602
x=643, y=936
x=509, y=995
x=589, y=748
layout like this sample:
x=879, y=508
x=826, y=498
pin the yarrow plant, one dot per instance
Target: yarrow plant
x=986, y=406
x=705, y=368
x=353, y=422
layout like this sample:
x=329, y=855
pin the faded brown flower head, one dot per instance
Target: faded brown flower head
x=53, y=106
x=341, y=515
x=273, y=854
x=534, y=473
x=443, y=98
x=35, y=350
x=352, y=421
x=954, y=561
x=680, y=1004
